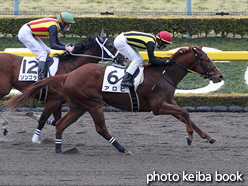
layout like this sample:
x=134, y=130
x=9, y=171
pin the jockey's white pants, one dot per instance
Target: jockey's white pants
x=35, y=45
x=132, y=54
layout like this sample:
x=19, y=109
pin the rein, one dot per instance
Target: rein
x=73, y=64
x=163, y=77
x=101, y=45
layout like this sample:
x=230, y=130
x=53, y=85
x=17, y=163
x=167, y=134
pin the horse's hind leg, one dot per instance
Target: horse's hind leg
x=99, y=120
x=36, y=117
x=202, y=134
x=4, y=123
x=50, y=107
x=5, y=91
x=71, y=116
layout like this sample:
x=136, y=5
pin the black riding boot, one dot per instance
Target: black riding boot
x=127, y=80
x=42, y=72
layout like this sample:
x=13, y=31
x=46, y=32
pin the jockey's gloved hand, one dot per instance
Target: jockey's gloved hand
x=168, y=62
x=69, y=48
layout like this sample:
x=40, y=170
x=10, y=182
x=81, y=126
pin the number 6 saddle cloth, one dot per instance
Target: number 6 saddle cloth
x=113, y=77
x=112, y=83
x=29, y=68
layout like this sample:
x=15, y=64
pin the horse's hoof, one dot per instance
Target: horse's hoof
x=58, y=151
x=5, y=132
x=129, y=154
x=31, y=113
x=189, y=141
x=213, y=140
x=36, y=142
x=35, y=139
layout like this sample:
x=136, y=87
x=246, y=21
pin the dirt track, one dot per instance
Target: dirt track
x=158, y=144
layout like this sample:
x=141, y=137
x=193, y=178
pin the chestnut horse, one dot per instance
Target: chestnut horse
x=82, y=90
x=90, y=50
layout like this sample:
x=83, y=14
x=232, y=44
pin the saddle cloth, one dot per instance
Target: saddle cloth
x=113, y=77
x=29, y=68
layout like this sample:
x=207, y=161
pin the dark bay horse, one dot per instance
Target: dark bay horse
x=91, y=50
x=82, y=90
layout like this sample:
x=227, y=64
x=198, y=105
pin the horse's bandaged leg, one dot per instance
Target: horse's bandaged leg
x=50, y=122
x=118, y=146
x=58, y=144
x=36, y=135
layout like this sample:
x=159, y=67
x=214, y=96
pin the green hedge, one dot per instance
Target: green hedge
x=183, y=100
x=178, y=25
x=212, y=99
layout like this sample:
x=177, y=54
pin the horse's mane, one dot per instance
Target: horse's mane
x=79, y=48
x=184, y=51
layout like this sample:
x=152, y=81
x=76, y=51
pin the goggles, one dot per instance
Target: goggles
x=68, y=25
x=163, y=44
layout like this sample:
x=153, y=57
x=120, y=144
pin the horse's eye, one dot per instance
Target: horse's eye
x=208, y=61
x=111, y=46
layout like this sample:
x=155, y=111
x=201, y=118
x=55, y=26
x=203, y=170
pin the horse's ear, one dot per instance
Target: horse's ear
x=102, y=33
x=194, y=50
x=200, y=46
x=100, y=39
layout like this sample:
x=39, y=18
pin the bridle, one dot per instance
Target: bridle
x=113, y=57
x=207, y=73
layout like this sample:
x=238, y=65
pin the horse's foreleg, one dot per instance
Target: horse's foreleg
x=201, y=133
x=5, y=124
x=99, y=120
x=167, y=108
x=41, y=123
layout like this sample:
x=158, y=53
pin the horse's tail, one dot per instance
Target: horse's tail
x=55, y=84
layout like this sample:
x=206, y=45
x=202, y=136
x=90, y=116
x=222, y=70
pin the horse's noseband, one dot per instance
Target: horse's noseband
x=104, y=49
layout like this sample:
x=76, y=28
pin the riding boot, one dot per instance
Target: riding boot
x=49, y=60
x=42, y=72
x=127, y=80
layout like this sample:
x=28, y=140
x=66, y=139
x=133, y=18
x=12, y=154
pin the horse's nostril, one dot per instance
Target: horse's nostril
x=221, y=77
